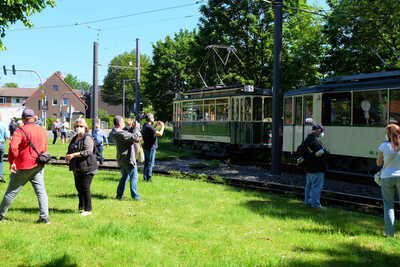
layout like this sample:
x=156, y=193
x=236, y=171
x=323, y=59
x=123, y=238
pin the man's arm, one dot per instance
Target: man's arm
x=130, y=137
x=161, y=131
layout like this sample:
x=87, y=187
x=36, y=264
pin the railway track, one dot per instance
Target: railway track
x=353, y=202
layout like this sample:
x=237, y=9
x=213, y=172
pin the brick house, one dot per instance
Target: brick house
x=62, y=100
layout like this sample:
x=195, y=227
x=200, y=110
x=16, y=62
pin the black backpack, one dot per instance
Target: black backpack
x=302, y=154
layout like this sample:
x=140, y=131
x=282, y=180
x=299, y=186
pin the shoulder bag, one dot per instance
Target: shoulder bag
x=43, y=157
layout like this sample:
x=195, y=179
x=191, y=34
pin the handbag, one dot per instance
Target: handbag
x=43, y=157
x=377, y=176
x=140, y=153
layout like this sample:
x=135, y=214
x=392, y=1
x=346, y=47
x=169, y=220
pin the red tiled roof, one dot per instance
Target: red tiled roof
x=17, y=92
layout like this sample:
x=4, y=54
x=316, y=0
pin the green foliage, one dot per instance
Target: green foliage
x=75, y=83
x=10, y=85
x=173, y=70
x=112, y=87
x=49, y=123
x=357, y=30
x=18, y=10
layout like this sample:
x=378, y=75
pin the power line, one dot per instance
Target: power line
x=142, y=13
x=107, y=19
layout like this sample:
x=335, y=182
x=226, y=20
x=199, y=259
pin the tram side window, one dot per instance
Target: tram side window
x=257, y=108
x=197, y=110
x=394, y=106
x=298, y=110
x=186, y=106
x=267, y=109
x=222, y=109
x=370, y=108
x=209, y=110
x=336, y=109
x=247, y=109
x=287, y=111
x=308, y=116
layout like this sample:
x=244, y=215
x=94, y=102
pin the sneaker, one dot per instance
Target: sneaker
x=86, y=213
x=42, y=220
x=139, y=199
x=1, y=217
x=2, y=180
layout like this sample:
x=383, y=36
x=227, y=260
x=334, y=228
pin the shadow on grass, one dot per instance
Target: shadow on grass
x=64, y=261
x=36, y=210
x=328, y=221
x=348, y=255
x=97, y=196
x=115, y=178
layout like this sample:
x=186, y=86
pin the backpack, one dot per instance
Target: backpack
x=303, y=152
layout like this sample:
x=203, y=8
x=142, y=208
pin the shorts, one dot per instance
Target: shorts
x=63, y=134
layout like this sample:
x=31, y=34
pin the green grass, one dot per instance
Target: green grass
x=185, y=223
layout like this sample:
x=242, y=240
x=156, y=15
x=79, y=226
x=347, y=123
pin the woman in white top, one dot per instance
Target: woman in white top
x=389, y=153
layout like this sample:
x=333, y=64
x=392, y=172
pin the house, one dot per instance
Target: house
x=11, y=100
x=61, y=99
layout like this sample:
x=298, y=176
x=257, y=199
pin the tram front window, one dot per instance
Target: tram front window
x=336, y=109
x=287, y=111
x=268, y=109
x=308, y=116
x=257, y=108
x=370, y=108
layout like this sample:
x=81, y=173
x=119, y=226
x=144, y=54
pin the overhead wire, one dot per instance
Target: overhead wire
x=107, y=19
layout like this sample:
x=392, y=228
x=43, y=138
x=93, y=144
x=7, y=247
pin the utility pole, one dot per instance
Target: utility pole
x=277, y=90
x=137, y=110
x=123, y=98
x=95, y=93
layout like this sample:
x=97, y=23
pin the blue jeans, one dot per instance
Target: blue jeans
x=314, y=185
x=388, y=188
x=149, y=158
x=128, y=173
x=100, y=150
x=18, y=180
x=2, y=149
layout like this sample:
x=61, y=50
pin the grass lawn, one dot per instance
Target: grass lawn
x=185, y=223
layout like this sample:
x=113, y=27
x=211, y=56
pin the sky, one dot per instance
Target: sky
x=56, y=43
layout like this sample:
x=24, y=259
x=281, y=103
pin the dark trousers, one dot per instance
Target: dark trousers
x=82, y=184
x=100, y=150
x=55, y=137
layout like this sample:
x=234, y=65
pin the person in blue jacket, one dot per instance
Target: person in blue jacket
x=99, y=138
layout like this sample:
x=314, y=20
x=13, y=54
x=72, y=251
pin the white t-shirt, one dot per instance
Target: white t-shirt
x=393, y=168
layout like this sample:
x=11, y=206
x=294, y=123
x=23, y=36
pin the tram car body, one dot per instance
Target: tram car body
x=354, y=111
x=224, y=120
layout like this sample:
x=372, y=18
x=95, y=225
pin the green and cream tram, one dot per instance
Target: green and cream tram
x=223, y=119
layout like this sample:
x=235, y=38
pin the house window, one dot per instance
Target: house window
x=2, y=100
x=18, y=100
x=55, y=101
x=65, y=101
x=55, y=87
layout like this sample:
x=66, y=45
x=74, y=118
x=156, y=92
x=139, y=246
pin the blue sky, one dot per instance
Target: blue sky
x=69, y=49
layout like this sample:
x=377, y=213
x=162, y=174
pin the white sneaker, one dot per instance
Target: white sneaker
x=86, y=213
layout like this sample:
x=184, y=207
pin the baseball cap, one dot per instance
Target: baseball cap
x=318, y=127
x=27, y=113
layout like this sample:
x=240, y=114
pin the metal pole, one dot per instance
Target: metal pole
x=137, y=110
x=277, y=89
x=123, y=98
x=95, y=94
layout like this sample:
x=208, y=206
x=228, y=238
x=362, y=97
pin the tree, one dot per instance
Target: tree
x=12, y=11
x=75, y=83
x=112, y=87
x=362, y=36
x=247, y=26
x=11, y=85
x=173, y=70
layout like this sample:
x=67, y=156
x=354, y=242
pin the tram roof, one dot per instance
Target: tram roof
x=359, y=82
x=221, y=91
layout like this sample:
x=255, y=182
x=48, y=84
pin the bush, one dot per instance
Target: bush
x=49, y=123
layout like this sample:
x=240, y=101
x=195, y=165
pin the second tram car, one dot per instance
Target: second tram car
x=354, y=111
x=224, y=120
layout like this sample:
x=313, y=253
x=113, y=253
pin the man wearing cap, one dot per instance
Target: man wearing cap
x=314, y=167
x=23, y=166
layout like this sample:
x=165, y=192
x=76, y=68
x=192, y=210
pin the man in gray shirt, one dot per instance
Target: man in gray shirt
x=126, y=157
